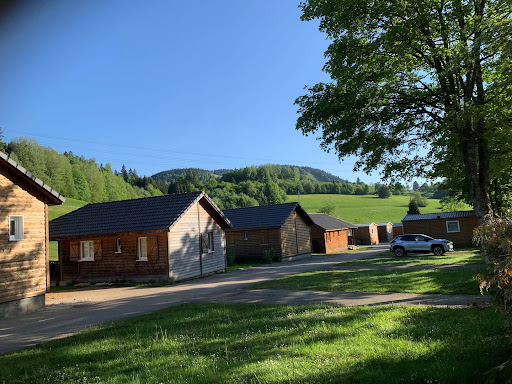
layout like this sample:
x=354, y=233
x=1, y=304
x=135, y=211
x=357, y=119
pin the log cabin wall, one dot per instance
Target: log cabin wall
x=385, y=233
x=250, y=245
x=109, y=265
x=185, y=257
x=295, y=236
x=437, y=229
x=366, y=235
x=336, y=241
x=22, y=262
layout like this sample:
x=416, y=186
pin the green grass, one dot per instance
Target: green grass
x=447, y=281
x=363, y=209
x=58, y=210
x=215, y=343
x=459, y=258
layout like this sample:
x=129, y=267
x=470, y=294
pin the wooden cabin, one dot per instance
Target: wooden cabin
x=283, y=229
x=398, y=229
x=24, y=245
x=366, y=234
x=385, y=232
x=329, y=234
x=163, y=238
x=455, y=226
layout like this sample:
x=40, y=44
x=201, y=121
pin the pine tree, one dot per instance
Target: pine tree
x=413, y=207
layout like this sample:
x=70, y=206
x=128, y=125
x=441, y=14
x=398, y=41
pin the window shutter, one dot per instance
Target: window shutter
x=97, y=250
x=153, y=247
x=74, y=251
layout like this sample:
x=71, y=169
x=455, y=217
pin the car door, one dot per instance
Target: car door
x=422, y=243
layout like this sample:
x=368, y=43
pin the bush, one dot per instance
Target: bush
x=230, y=255
x=495, y=238
x=413, y=207
x=383, y=192
x=420, y=200
x=268, y=256
x=328, y=209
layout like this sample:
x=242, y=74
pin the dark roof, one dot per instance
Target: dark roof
x=439, y=215
x=328, y=222
x=28, y=176
x=361, y=225
x=263, y=216
x=149, y=213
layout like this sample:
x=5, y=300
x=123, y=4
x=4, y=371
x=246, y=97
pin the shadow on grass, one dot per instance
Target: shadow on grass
x=246, y=343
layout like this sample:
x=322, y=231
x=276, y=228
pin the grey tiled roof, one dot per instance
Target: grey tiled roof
x=263, y=216
x=328, y=222
x=439, y=215
x=134, y=215
x=39, y=183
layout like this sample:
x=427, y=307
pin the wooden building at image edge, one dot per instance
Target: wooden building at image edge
x=282, y=229
x=24, y=252
x=329, y=234
x=455, y=226
x=163, y=238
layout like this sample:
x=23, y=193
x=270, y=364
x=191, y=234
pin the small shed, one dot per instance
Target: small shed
x=165, y=238
x=455, y=226
x=329, y=234
x=366, y=234
x=24, y=245
x=385, y=231
x=398, y=229
x=282, y=229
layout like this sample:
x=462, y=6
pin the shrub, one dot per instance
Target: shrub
x=328, y=209
x=413, y=207
x=268, y=256
x=383, y=192
x=420, y=200
x=230, y=254
x=495, y=238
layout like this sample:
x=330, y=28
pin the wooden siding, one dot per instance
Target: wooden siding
x=295, y=236
x=185, y=257
x=398, y=230
x=365, y=235
x=111, y=266
x=329, y=241
x=437, y=229
x=385, y=233
x=23, y=262
x=252, y=249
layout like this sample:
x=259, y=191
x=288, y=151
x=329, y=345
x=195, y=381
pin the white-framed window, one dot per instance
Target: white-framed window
x=16, y=231
x=142, y=252
x=452, y=226
x=211, y=246
x=86, y=250
x=245, y=235
x=118, y=245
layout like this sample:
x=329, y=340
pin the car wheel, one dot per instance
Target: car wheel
x=438, y=250
x=399, y=252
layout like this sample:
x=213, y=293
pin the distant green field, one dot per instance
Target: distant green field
x=364, y=209
x=59, y=210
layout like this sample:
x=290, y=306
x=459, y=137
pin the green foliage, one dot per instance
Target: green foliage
x=328, y=209
x=383, y=192
x=420, y=199
x=407, y=76
x=413, y=207
x=268, y=256
x=451, y=204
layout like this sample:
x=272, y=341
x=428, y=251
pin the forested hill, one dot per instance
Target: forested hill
x=313, y=174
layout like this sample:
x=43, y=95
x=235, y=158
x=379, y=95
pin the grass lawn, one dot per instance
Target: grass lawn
x=58, y=210
x=215, y=343
x=471, y=257
x=447, y=281
x=363, y=209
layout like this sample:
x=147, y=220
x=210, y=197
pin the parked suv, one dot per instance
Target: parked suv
x=401, y=245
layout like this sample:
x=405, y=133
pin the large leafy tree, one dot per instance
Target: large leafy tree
x=419, y=88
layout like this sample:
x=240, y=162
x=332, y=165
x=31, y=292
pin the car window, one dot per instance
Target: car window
x=407, y=238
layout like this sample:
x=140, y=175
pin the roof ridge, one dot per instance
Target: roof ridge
x=141, y=198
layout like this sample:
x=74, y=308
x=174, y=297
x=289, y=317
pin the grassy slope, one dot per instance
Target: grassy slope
x=59, y=210
x=363, y=209
x=214, y=343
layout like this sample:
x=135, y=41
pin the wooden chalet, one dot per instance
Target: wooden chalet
x=282, y=228
x=455, y=226
x=24, y=245
x=329, y=234
x=366, y=234
x=171, y=237
x=398, y=229
x=385, y=232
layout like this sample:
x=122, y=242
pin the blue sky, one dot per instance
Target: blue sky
x=164, y=84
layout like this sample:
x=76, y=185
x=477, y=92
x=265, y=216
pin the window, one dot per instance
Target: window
x=245, y=235
x=210, y=242
x=118, y=245
x=349, y=232
x=16, y=228
x=264, y=237
x=142, y=248
x=452, y=226
x=372, y=231
x=86, y=250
